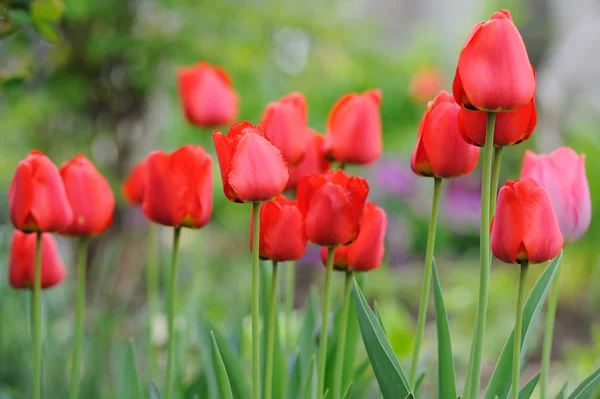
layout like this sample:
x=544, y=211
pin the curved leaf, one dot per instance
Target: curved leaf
x=220, y=370
x=527, y=390
x=586, y=389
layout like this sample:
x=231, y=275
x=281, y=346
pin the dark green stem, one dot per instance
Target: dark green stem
x=271, y=334
x=79, y=316
x=255, y=301
x=341, y=346
x=518, y=327
x=324, y=323
x=172, y=311
x=36, y=311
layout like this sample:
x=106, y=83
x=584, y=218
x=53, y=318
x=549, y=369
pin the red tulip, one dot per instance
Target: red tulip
x=37, y=197
x=332, y=204
x=562, y=174
x=525, y=228
x=90, y=196
x=314, y=161
x=252, y=168
x=178, y=188
x=425, y=84
x=494, y=72
x=285, y=122
x=354, y=129
x=511, y=127
x=440, y=151
x=133, y=186
x=366, y=253
x=282, y=235
x=21, y=264
x=207, y=96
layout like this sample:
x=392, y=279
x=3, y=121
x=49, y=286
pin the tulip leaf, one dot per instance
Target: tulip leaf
x=389, y=373
x=586, y=389
x=563, y=392
x=446, y=377
x=348, y=391
x=527, y=390
x=220, y=370
x=153, y=392
x=132, y=387
x=500, y=383
x=419, y=381
x=312, y=379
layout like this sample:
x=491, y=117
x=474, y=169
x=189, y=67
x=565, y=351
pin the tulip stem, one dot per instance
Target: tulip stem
x=548, y=335
x=437, y=185
x=341, y=346
x=495, y=179
x=255, y=302
x=271, y=334
x=324, y=323
x=152, y=288
x=172, y=310
x=79, y=316
x=518, y=327
x=36, y=318
x=475, y=357
x=290, y=284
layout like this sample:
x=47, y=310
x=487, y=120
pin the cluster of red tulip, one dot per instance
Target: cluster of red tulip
x=494, y=83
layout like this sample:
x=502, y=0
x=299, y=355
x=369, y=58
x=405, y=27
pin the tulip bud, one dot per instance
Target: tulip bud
x=133, y=186
x=21, y=264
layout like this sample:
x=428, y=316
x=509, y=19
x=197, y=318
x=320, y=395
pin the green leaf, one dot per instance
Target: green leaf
x=587, y=387
x=388, y=371
x=420, y=380
x=563, y=392
x=153, y=391
x=47, y=10
x=132, y=385
x=220, y=370
x=501, y=380
x=446, y=377
x=348, y=391
x=312, y=379
x=47, y=30
x=527, y=390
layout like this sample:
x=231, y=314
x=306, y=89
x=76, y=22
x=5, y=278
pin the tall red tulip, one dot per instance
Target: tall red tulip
x=440, y=151
x=282, y=235
x=285, y=122
x=562, y=174
x=332, y=204
x=178, y=188
x=21, y=263
x=354, y=129
x=133, y=186
x=314, y=161
x=90, y=196
x=37, y=197
x=366, y=253
x=511, y=127
x=207, y=95
x=494, y=72
x=525, y=228
x=252, y=168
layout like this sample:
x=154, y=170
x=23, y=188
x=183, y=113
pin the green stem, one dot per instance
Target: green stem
x=255, y=302
x=339, y=356
x=518, y=327
x=324, y=323
x=548, y=335
x=172, y=310
x=271, y=334
x=79, y=316
x=36, y=317
x=290, y=284
x=495, y=179
x=437, y=185
x=152, y=288
x=484, y=258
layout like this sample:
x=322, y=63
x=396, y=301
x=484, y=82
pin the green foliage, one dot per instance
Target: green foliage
x=527, y=390
x=220, y=370
x=587, y=387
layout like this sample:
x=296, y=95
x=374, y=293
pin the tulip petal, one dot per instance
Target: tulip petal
x=509, y=226
x=161, y=196
x=330, y=219
x=21, y=195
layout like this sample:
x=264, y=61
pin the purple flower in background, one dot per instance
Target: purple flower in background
x=392, y=177
x=462, y=204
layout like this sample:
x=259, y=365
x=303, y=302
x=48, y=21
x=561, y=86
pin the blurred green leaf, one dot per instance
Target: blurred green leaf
x=527, y=390
x=348, y=393
x=153, y=391
x=501, y=381
x=309, y=390
x=45, y=15
x=446, y=377
x=387, y=368
x=419, y=381
x=220, y=370
x=47, y=30
x=132, y=386
x=587, y=387
x=562, y=394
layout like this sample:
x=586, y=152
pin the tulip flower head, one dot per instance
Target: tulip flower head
x=285, y=122
x=314, y=161
x=133, y=186
x=562, y=174
x=282, y=235
x=21, y=264
x=178, y=187
x=354, y=129
x=90, y=196
x=332, y=204
x=525, y=228
x=207, y=95
x=366, y=253
x=440, y=151
x=252, y=168
x=37, y=197
x=510, y=128
x=494, y=73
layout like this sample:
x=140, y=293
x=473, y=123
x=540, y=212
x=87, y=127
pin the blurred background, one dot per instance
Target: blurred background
x=100, y=79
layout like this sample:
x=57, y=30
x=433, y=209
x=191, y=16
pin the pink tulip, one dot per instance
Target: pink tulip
x=562, y=174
